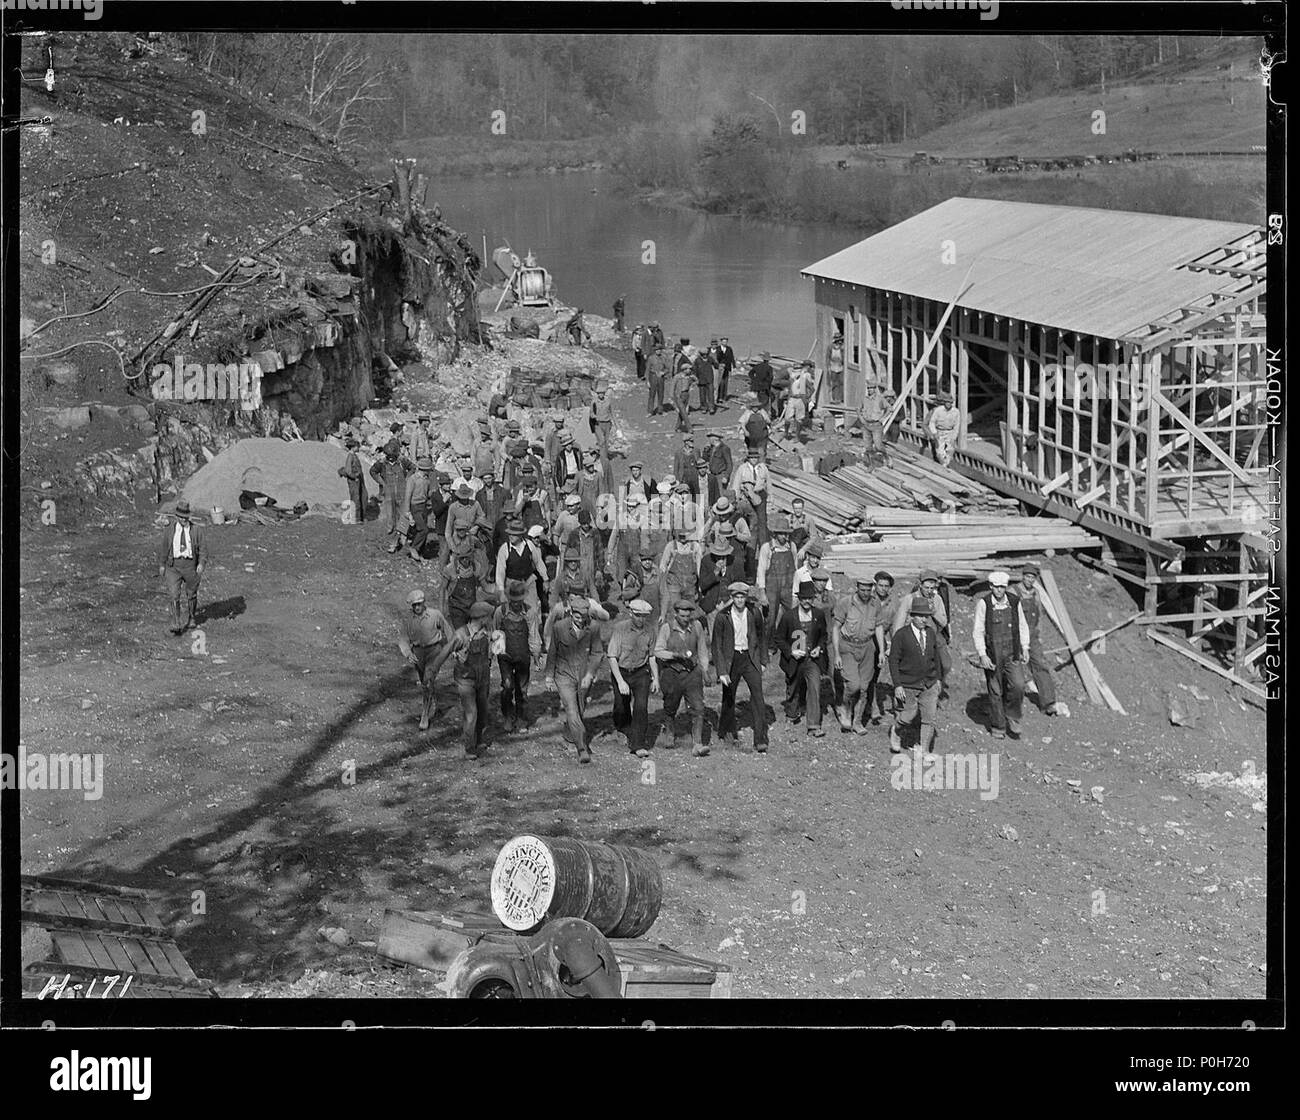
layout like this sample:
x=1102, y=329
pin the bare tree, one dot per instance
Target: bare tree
x=338, y=80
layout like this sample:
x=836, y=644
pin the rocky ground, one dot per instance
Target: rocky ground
x=1121, y=857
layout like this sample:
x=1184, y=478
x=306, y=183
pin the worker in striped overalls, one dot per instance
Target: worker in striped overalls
x=777, y=561
x=678, y=567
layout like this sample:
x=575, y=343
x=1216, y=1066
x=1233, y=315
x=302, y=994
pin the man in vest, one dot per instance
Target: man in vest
x=573, y=655
x=1032, y=605
x=682, y=651
x=519, y=560
x=520, y=625
x=776, y=567
x=801, y=636
x=425, y=643
x=351, y=471
x=1002, y=645
x=916, y=664
x=739, y=652
x=181, y=553
x=633, y=673
x=470, y=651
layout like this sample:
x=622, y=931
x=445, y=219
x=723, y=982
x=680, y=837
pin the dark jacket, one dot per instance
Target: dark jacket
x=817, y=634
x=760, y=378
x=197, y=544
x=908, y=666
x=561, y=472
x=713, y=588
x=724, y=638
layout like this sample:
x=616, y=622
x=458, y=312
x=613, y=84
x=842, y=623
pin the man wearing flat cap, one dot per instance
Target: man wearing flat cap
x=470, y=651
x=425, y=643
x=739, y=649
x=573, y=655
x=520, y=625
x=390, y=473
x=181, y=553
x=1031, y=605
x=1002, y=646
x=801, y=635
x=634, y=673
x=916, y=663
x=420, y=488
x=682, y=650
x=854, y=630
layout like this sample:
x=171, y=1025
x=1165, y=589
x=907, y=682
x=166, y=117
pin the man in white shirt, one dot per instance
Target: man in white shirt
x=812, y=565
x=750, y=484
x=739, y=654
x=181, y=554
x=1002, y=644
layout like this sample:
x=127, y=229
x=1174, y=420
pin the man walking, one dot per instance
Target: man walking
x=683, y=379
x=750, y=484
x=776, y=567
x=720, y=467
x=801, y=636
x=726, y=363
x=602, y=420
x=425, y=643
x=420, y=488
x=854, y=629
x=683, y=655
x=916, y=664
x=634, y=673
x=740, y=654
x=470, y=653
x=1002, y=645
x=573, y=655
x=181, y=553
x=520, y=624
x=1031, y=605
x=519, y=561
x=754, y=425
x=760, y=380
x=351, y=472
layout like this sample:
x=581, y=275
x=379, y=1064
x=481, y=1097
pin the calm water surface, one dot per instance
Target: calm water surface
x=712, y=275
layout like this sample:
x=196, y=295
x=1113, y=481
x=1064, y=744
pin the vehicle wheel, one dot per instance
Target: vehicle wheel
x=493, y=989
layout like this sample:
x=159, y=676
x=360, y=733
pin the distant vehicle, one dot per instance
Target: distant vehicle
x=1003, y=163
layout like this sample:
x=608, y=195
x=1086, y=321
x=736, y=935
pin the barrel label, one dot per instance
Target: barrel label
x=523, y=882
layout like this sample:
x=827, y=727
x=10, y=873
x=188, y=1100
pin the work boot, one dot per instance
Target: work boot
x=846, y=720
x=998, y=733
x=928, y=739
x=895, y=743
x=699, y=750
x=761, y=748
x=584, y=755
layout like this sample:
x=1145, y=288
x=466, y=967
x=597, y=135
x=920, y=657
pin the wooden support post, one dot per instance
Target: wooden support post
x=925, y=354
x=1152, y=599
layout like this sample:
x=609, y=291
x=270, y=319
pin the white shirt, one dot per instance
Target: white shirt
x=740, y=629
x=804, y=574
x=181, y=545
x=919, y=631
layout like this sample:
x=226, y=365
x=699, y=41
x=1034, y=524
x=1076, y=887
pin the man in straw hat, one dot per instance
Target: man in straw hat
x=424, y=642
x=916, y=664
x=181, y=552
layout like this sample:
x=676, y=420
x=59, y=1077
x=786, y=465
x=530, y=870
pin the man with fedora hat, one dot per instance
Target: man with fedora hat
x=464, y=576
x=942, y=426
x=519, y=623
x=464, y=512
x=568, y=463
x=720, y=465
x=740, y=654
x=722, y=567
x=760, y=380
x=519, y=560
x=801, y=636
x=355, y=477
x=390, y=473
x=916, y=665
x=424, y=642
x=181, y=553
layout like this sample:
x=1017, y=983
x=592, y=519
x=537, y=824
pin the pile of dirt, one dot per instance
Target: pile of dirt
x=289, y=472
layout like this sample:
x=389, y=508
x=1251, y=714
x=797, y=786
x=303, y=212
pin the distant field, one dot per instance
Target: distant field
x=1220, y=113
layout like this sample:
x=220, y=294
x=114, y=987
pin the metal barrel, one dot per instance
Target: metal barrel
x=618, y=889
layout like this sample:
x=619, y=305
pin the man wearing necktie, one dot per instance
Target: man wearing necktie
x=180, y=559
x=917, y=662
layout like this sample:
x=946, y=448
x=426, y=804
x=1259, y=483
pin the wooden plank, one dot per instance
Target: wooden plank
x=925, y=354
x=1181, y=647
x=112, y=945
x=1204, y=440
x=157, y=958
x=1055, y=607
x=71, y=948
x=179, y=965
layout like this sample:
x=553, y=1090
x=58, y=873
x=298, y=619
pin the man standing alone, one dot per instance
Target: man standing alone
x=181, y=554
x=351, y=472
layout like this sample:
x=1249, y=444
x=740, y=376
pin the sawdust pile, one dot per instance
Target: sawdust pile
x=290, y=472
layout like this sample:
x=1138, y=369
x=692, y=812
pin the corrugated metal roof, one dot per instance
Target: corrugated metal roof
x=1101, y=272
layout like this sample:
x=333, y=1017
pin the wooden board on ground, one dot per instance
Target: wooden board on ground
x=1055, y=606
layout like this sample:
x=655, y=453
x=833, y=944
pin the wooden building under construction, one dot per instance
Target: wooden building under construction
x=1109, y=367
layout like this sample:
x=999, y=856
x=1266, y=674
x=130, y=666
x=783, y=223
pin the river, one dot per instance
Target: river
x=712, y=275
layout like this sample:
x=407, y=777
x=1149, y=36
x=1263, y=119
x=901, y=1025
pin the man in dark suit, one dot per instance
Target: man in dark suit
x=726, y=363
x=918, y=659
x=760, y=380
x=181, y=553
x=801, y=636
x=740, y=653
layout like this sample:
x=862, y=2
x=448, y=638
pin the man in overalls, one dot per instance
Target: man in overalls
x=470, y=653
x=1032, y=606
x=391, y=476
x=520, y=624
x=464, y=573
x=677, y=567
x=777, y=561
